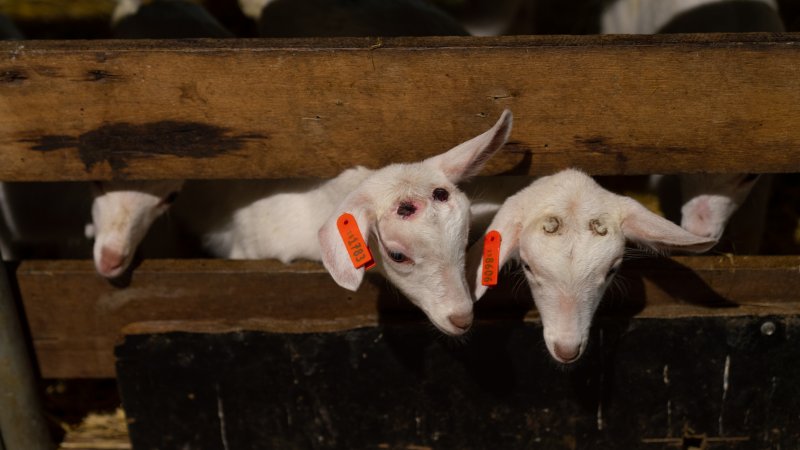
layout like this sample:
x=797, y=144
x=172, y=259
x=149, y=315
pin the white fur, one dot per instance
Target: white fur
x=486, y=195
x=263, y=219
x=570, y=267
x=124, y=9
x=649, y=16
x=296, y=219
x=497, y=19
x=433, y=239
x=709, y=200
x=253, y=8
x=122, y=213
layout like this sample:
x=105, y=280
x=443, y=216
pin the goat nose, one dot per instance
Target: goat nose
x=698, y=219
x=566, y=353
x=461, y=321
x=110, y=260
x=699, y=228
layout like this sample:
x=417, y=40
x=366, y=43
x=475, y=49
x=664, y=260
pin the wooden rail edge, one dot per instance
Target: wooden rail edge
x=265, y=108
x=76, y=317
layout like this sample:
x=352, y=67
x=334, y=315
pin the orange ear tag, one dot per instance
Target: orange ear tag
x=491, y=258
x=354, y=242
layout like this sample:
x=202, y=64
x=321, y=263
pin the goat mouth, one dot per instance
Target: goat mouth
x=115, y=268
x=567, y=362
x=113, y=272
x=451, y=330
x=565, y=356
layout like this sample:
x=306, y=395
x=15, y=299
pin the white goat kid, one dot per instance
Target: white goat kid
x=124, y=9
x=417, y=222
x=711, y=200
x=122, y=213
x=253, y=8
x=263, y=219
x=708, y=200
x=569, y=234
x=658, y=16
x=414, y=213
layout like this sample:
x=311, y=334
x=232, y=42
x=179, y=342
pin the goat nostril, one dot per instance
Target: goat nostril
x=110, y=259
x=461, y=321
x=566, y=353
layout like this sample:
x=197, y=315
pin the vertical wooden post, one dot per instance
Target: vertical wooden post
x=22, y=424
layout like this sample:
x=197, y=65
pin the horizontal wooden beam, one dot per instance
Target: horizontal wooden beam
x=76, y=317
x=79, y=110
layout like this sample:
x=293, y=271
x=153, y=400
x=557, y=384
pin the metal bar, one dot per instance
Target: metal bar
x=22, y=424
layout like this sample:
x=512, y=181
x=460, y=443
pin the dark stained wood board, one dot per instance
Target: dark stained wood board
x=75, y=316
x=78, y=110
x=687, y=383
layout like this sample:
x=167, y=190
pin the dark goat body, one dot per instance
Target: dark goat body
x=726, y=17
x=744, y=231
x=354, y=18
x=170, y=20
x=8, y=30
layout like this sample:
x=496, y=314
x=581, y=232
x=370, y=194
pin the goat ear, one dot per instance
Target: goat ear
x=651, y=230
x=332, y=248
x=468, y=158
x=507, y=223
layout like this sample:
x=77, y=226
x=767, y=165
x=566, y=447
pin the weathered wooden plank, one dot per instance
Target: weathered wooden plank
x=75, y=316
x=703, y=382
x=287, y=108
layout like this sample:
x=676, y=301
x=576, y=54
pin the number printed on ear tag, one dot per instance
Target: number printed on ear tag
x=491, y=258
x=354, y=242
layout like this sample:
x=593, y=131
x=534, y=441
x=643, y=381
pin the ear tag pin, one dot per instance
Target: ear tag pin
x=491, y=258
x=354, y=242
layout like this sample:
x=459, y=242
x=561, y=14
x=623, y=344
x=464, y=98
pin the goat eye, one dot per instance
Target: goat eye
x=526, y=267
x=612, y=271
x=440, y=194
x=397, y=256
x=170, y=199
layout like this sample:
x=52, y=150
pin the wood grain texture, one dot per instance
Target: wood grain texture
x=76, y=317
x=78, y=110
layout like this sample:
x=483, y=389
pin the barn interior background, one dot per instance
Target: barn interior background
x=626, y=368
